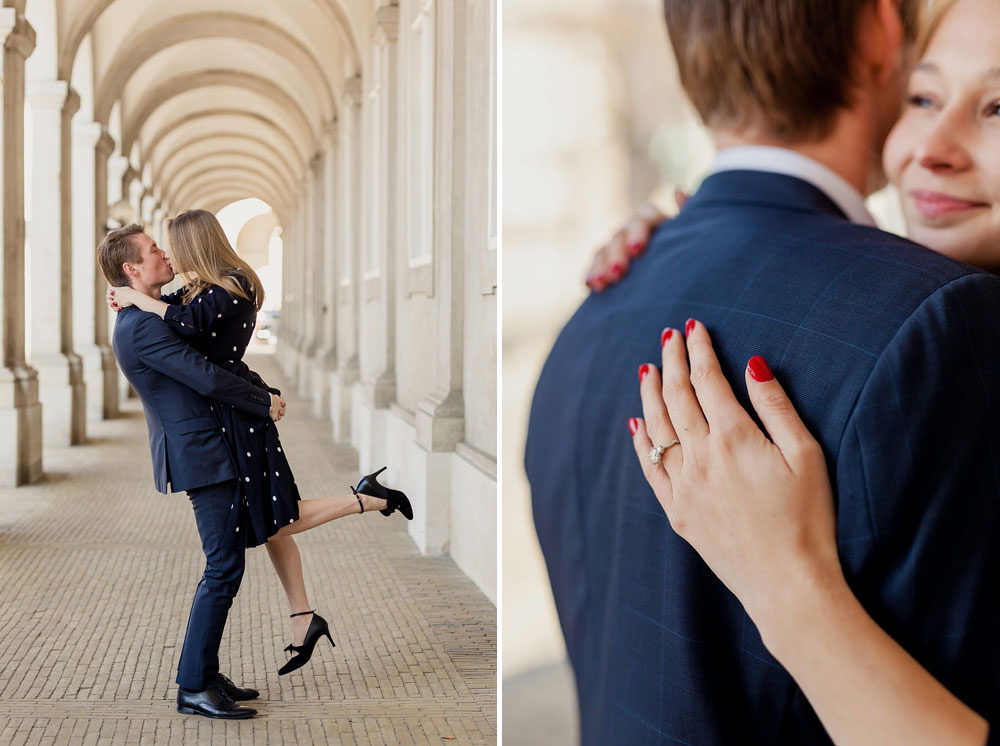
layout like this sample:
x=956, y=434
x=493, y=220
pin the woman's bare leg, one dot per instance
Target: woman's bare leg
x=287, y=562
x=284, y=552
x=314, y=513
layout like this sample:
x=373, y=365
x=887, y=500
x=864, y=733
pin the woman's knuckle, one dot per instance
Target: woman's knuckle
x=700, y=374
x=777, y=402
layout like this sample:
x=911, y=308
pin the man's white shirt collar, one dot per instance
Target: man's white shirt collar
x=790, y=163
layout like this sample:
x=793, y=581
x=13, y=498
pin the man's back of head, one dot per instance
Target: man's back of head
x=788, y=72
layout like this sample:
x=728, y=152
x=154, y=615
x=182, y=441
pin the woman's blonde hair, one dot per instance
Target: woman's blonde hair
x=202, y=256
x=930, y=18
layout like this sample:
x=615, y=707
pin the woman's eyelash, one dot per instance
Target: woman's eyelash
x=917, y=100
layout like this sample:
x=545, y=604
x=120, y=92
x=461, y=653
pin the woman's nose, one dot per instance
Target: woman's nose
x=941, y=148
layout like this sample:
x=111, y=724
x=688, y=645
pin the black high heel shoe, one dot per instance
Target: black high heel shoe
x=396, y=500
x=317, y=628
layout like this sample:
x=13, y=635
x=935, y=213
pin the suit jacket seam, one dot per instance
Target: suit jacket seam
x=880, y=358
x=851, y=422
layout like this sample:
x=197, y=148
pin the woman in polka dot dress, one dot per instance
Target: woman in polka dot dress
x=216, y=313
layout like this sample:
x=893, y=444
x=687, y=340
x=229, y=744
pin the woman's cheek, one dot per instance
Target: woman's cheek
x=897, y=150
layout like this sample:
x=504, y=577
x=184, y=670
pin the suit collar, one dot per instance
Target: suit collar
x=758, y=188
x=792, y=163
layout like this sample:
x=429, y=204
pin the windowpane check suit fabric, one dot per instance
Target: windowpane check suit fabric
x=890, y=352
x=175, y=384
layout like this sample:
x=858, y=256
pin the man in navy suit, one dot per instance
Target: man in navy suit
x=889, y=351
x=175, y=384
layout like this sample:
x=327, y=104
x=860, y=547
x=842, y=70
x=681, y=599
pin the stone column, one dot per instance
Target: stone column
x=293, y=249
x=312, y=245
x=440, y=417
x=326, y=355
x=284, y=351
x=156, y=228
x=60, y=370
x=135, y=192
x=20, y=410
x=147, y=206
x=380, y=291
x=117, y=167
x=109, y=368
x=347, y=371
x=87, y=276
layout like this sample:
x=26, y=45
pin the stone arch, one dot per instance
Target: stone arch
x=130, y=55
x=257, y=117
x=163, y=173
x=193, y=168
x=85, y=15
x=221, y=199
x=176, y=86
x=220, y=178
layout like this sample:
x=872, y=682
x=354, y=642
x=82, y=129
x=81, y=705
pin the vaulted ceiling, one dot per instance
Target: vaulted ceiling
x=211, y=100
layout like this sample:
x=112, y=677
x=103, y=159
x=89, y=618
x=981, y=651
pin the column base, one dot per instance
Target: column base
x=440, y=421
x=307, y=369
x=100, y=377
x=21, y=424
x=341, y=381
x=64, y=396
x=324, y=363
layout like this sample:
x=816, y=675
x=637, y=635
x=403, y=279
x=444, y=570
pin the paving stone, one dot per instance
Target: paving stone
x=97, y=571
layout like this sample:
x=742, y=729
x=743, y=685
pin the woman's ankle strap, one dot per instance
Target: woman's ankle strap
x=300, y=613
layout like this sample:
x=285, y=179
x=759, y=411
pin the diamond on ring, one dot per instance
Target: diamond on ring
x=656, y=452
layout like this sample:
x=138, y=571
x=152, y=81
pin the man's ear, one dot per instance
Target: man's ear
x=880, y=40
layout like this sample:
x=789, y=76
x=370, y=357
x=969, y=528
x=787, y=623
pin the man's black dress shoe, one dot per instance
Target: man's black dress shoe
x=211, y=703
x=235, y=693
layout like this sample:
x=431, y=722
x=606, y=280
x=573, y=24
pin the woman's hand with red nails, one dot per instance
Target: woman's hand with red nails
x=612, y=260
x=111, y=297
x=759, y=511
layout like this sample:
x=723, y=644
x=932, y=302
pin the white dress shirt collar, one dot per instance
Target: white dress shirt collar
x=790, y=163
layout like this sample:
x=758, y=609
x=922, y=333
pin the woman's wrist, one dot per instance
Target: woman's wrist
x=810, y=593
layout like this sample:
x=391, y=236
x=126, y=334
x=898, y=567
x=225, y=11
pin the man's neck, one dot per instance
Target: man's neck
x=845, y=151
x=153, y=291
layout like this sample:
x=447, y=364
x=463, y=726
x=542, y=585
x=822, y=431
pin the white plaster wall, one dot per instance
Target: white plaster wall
x=473, y=528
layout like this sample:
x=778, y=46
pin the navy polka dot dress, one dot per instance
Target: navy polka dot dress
x=220, y=325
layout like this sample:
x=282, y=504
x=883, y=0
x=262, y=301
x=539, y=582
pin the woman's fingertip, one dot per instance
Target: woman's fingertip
x=665, y=335
x=633, y=425
x=759, y=370
x=689, y=327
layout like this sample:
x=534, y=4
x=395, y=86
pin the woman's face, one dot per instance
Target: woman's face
x=944, y=153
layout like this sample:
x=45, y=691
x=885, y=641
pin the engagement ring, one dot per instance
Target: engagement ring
x=656, y=452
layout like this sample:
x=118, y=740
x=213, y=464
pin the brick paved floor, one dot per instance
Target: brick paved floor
x=97, y=572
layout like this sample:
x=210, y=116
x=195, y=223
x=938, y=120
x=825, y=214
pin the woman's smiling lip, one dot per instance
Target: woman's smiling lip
x=935, y=204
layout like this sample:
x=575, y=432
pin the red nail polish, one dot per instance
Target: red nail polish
x=759, y=370
x=664, y=336
x=633, y=425
x=634, y=249
x=643, y=371
x=616, y=270
x=688, y=327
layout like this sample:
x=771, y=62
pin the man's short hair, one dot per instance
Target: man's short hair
x=782, y=68
x=116, y=249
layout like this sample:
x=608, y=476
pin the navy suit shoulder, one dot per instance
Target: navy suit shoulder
x=662, y=651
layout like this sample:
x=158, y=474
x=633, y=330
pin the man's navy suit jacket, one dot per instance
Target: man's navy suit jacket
x=890, y=352
x=175, y=384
